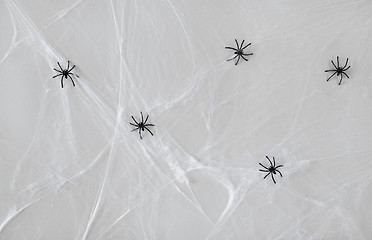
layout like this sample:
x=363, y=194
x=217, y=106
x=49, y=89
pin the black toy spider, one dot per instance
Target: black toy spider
x=141, y=126
x=65, y=73
x=272, y=169
x=339, y=70
x=239, y=51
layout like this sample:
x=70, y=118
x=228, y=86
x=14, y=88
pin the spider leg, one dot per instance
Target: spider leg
x=71, y=80
x=269, y=160
x=347, y=59
x=232, y=58
x=237, y=44
x=263, y=170
x=331, y=76
x=231, y=48
x=266, y=175
x=60, y=66
x=331, y=70
x=146, y=119
x=139, y=131
x=237, y=60
x=133, y=124
x=149, y=131
x=149, y=124
x=244, y=58
x=346, y=68
x=241, y=45
x=134, y=120
x=272, y=176
x=246, y=46
x=141, y=117
x=57, y=70
x=68, y=65
x=278, y=166
x=279, y=173
x=247, y=54
x=264, y=166
x=345, y=74
x=62, y=81
x=71, y=69
x=134, y=129
x=333, y=64
x=57, y=75
x=340, y=80
x=338, y=62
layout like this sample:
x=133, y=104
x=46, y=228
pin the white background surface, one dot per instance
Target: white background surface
x=72, y=169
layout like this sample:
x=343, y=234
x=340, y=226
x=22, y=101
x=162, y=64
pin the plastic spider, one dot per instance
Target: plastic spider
x=239, y=51
x=339, y=70
x=272, y=169
x=141, y=126
x=65, y=73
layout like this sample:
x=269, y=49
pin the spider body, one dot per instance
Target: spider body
x=239, y=51
x=65, y=73
x=272, y=169
x=338, y=70
x=142, y=125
